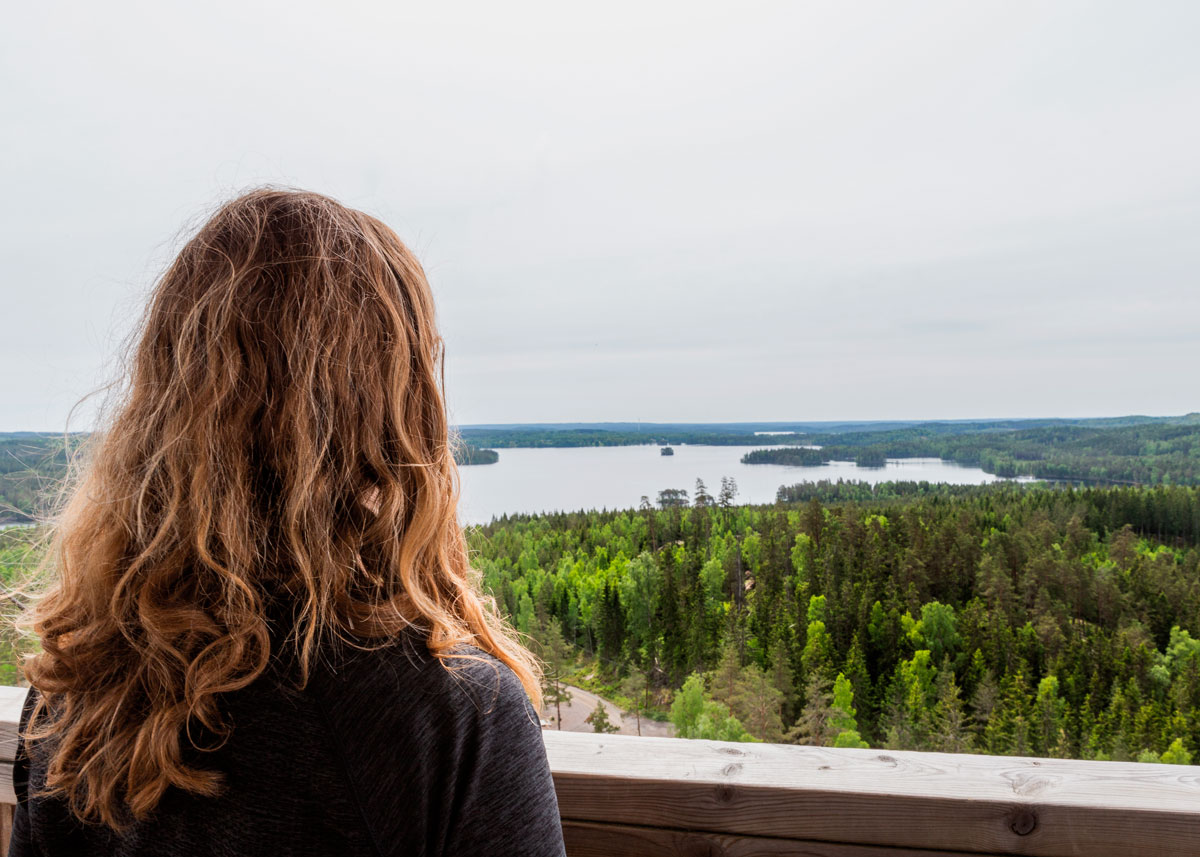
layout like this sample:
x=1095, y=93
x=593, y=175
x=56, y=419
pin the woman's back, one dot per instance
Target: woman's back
x=272, y=504
x=386, y=752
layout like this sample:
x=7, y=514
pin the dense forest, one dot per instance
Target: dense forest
x=1164, y=452
x=1002, y=619
x=1005, y=619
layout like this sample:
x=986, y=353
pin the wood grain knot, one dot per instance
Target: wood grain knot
x=731, y=769
x=1023, y=821
x=701, y=847
x=726, y=793
x=887, y=760
x=732, y=751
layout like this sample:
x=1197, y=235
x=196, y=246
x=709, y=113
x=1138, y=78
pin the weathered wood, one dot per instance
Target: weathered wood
x=588, y=839
x=623, y=795
x=7, y=795
x=6, y=825
x=11, y=701
x=974, y=804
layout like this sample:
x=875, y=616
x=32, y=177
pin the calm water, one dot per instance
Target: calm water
x=616, y=477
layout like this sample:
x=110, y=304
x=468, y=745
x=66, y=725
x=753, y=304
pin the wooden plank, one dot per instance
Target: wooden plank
x=6, y=826
x=7, y=795
x=12, y=699
x=975, y=804
x=711, y=798
x=587, y=839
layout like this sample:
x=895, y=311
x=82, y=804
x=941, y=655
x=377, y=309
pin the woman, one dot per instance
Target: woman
x=263, y=635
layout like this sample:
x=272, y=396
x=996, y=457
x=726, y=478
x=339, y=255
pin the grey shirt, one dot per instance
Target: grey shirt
x=386, y=753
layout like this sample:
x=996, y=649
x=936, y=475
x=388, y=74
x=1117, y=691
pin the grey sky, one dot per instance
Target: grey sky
x=684, y=211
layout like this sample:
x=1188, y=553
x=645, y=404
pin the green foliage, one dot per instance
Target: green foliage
x=695, y=715
x=945, y=610
x=19, y=555
x=1177, y=754
x=841, y=717
x=790, y=455
x=937, y=630
x=599, y=720
x=556, y=657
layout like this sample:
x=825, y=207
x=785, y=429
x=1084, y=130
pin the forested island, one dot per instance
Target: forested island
x=468, y=455
x=792, y=456
x=1002, y=619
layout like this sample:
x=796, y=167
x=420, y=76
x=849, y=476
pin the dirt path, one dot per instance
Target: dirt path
x=583, y=702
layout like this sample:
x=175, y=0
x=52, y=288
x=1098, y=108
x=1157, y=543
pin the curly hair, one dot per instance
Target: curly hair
x=277, y=474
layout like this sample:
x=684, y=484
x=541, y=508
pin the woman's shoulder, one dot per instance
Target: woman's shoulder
x=465, y=684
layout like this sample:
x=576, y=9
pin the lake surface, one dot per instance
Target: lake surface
x=616, y=477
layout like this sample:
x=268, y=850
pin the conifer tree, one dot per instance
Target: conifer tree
x=599, y=720
x=637, y=689
x=756, y=703
x=948, y=729
x=813, y=726
x=556, y=655
x=1049, y=734
x=842, y=715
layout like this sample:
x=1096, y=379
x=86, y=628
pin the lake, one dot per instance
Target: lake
x=616, y=477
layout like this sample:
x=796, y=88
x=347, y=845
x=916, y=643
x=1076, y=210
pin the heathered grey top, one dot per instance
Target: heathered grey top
x=387, y=753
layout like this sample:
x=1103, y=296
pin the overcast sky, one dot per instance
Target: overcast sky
x=659, y=211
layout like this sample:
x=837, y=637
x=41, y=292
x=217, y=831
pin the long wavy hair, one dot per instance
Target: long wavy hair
x=277, y=474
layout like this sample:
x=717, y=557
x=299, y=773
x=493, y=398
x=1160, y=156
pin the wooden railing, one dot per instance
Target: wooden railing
x=11, y=701
x=654, y=797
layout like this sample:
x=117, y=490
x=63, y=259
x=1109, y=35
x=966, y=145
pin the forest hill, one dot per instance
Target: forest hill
x=1001, y=619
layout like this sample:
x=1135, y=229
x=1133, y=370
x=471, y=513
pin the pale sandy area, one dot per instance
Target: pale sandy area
x=582, y=704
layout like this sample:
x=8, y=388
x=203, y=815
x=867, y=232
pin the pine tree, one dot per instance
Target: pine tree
x=780, y=672
x=859, y=676
x=817, y=656
x=1049, y=734
x=637, y=689
x=599, y=720
x=948, y=728
x=724, y=678
x=556, y=655
x=813, y=726
x=756, y=703
x=1008, y=729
